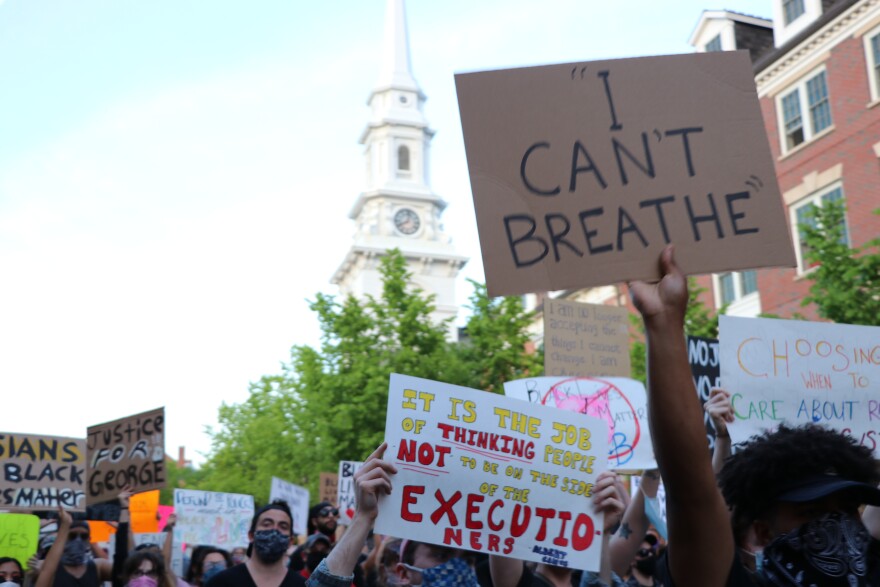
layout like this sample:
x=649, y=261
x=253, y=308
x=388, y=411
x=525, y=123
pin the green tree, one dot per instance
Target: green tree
x=846, y=280
x=329, y=404
x=179, y=477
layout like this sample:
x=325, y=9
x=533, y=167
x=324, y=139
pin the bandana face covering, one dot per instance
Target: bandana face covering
x=75, y=553
x=453, y=573
x=832, y=550
x=270, y=545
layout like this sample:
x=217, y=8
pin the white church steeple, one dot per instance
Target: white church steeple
x=397, y=207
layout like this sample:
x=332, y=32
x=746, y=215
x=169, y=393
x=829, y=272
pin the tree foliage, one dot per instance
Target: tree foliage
x=329, y=404
x=846, y=280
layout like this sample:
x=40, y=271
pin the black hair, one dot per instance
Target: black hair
x=194, y=572
x=9, y=559
x=133, y=563
x=765, y=466
x=313, y=513
x=278, y=504
x=211, y=550
x=440, y=553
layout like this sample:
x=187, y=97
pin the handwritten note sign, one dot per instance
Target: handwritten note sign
x=328, y=487
x=703, y=356
x=583, y=172
x=345, y=490
x=42, y=472
x=19, y=536
x=585, y=339
x=621, y=403
x=296, y=497
x=477, y=471
x=799, y=372
x=213, y=518
x=129, y=451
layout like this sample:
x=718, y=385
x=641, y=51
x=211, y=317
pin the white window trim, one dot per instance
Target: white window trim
x=873, y=83
x=739, y=299
x=814, y=198
x=806, y=121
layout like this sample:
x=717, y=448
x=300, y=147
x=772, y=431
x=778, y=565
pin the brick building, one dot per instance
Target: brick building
x=817, y=71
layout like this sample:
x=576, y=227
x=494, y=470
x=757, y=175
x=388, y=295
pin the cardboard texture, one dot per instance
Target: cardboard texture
x=42, y=472
x=329, y=486
x=129, y=451
x=492, y=474
x=296, y=497
x=800, y=372
x=582, y=172
x=585, y=340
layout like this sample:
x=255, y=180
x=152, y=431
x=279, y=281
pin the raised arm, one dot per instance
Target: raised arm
x=46, y=577
x=701, y=546
x=634, y=525
x=720, y=411
x=372, y=480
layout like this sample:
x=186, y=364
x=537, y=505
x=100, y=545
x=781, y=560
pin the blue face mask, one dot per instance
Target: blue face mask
x=453, y=573
x=211, y=571
x=652, y=511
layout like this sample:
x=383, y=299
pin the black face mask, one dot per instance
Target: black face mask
x=832, y=550
x=647, y=566
x=313, y=559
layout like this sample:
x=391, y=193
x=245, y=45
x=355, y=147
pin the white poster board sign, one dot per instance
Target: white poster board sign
x=345, y=492
x=799, y=372
x=212, y=518
x=621, y=402
x=296, y=497
x=475, y=470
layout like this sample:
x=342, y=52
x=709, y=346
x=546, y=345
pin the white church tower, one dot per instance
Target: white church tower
x=397, y=207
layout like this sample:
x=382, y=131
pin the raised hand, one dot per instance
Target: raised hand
x=608, y=498
x=720, y=410
x=372, y=480
x=665, y=299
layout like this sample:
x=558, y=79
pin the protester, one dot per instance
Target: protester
x=239, y=555
x=316, y=549
x=324, y=519
x=720, y=411
x=626, y=547
x=214, y=562
x=797, y=488
x=10, y=571
x=145, y=568
x=68, y=562
x=270, y=537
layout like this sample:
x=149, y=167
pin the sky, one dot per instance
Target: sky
x=176, y=177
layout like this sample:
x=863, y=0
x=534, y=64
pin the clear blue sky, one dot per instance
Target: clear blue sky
x=175, y=179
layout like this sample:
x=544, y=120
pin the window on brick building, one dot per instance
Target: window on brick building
x=808, y=99
x=800, y=213
x=714, y=44
x=791, y=9
x=734, y=286
x=872, y=58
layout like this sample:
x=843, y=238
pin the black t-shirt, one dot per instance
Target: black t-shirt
x=240, y=576
x=89, y=578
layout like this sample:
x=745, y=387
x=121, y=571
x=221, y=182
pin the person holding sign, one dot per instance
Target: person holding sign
x=67, y=563
x=270, y=536
x=797, y=489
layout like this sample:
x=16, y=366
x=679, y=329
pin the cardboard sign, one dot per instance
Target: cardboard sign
x=329, y=485
x=585, y=340
x=212, y=518
x=345, y=490
x=297, y=498
x=703, y=356
x=19, y=536
x=42, y=472
x=583, y=172
x=157, y=538
x=476, y=471
x=129, y=451
x=144, y=512
x=621, y=403
x=799, y=372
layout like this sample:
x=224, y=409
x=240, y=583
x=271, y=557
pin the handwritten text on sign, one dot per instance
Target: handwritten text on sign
x=585, y=339
x=477, y=471
x=345, y=491
x=799, y=372
x=621, y=403
x=213, y=518
x=129, y=451
x=703, y=356
x=296, y=497
x=19, y=534
x=42, y=472
x=583, y=172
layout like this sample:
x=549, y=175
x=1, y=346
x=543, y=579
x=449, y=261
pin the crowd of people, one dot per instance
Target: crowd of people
x=794, y=506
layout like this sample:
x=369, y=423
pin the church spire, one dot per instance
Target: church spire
x=396, y=70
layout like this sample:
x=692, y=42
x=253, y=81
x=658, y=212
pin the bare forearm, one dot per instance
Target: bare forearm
x=721, y=452
x=626, y=542
x=344, y=556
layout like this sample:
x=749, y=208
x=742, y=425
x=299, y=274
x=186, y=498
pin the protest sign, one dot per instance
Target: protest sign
x=42, y=472
x=157, y=538
x=212, y=518
x=19, y=536
x=129, y=451
x=297, y=498
x=144, y=510
x=345, y=491
x=165, y=512
x=582, y=172
x=101, y=531
x=585, y=339
x=329, y=485
x=476, y=471
x=798, y=372
x=620, y=402
x=703, y=356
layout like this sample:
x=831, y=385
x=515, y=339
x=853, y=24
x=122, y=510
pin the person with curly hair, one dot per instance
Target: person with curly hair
x=145, y=568
x=793, y=494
